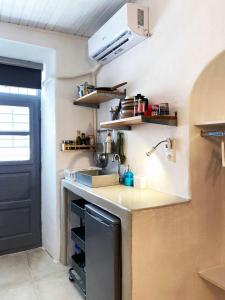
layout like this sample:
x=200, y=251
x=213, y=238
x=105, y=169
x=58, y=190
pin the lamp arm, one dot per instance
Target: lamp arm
x=157, y=145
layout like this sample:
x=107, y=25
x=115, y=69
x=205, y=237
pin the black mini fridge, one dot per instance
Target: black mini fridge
x=103, y=254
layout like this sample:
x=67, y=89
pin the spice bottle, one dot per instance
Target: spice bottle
x=78, y=139
x=144, y=105
x=136, y=105
x=83, y=139
x=140, y=104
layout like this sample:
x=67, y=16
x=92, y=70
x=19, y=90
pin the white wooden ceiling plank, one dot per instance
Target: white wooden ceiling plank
x=97, y=19
x=26, y=13
x=6, y=9
x=82, y=17
x=87, y=14
x=75, y=16
x=93, y=14
x=35, y=13
x=17, y=10
x=1, y=4
x=48, y=7
x=59, y=10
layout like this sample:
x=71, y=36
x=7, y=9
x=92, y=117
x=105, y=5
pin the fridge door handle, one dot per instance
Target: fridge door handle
x=98, y=219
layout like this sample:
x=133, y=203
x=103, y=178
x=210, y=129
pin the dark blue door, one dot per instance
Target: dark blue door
x=20, y=184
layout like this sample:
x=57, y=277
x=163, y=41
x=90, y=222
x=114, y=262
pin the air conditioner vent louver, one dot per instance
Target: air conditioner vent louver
x=112, y=50
x=115, y=44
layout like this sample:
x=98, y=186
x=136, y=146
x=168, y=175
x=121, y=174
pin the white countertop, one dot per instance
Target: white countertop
x=128, y=198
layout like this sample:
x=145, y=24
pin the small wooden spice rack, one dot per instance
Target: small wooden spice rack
x=73, y=147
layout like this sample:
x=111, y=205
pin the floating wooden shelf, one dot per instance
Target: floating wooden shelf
x=212, y=124
x=95, y=98
x=126, y=123
x=212, y=129
x=215, y=276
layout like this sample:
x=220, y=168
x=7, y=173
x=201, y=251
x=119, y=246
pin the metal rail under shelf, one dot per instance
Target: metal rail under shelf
x=215, y=129
x=212, y=133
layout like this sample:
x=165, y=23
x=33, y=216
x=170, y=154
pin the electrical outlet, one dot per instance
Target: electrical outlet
x=171, y=155
x=170, y=150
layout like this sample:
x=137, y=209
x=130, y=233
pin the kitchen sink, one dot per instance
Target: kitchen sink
x=97, y=178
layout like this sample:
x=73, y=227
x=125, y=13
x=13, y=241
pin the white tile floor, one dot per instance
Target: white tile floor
x=32, y=275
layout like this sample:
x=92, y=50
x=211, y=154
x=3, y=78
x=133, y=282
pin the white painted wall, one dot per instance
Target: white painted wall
x=187, y=35
x=63, y=55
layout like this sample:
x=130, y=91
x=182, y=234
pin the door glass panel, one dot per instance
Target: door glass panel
x=14, y=118
x=18, y=90
x=14, y=148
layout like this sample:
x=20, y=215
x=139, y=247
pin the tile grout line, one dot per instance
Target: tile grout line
x=29, y=267
x=33, y=281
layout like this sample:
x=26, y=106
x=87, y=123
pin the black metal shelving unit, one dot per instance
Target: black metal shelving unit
x=77, y=273
x=97, y=255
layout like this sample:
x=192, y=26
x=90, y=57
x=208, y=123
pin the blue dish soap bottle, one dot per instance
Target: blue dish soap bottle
x=129, y=177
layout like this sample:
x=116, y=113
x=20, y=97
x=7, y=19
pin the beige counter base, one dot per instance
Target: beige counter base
x=122, y=202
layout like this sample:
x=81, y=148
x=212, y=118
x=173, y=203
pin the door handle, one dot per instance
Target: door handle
x=98, y=219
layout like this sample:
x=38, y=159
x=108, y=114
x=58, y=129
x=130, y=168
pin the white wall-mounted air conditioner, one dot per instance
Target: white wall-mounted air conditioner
x=128, y=27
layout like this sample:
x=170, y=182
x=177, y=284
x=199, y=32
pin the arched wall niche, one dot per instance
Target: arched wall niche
x=207, y=104
x=207, y=101
x=207, y=176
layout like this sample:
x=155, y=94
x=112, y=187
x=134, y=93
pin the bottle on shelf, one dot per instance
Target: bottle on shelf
x=144, y=105
x=137, y=104
x=83, y=139
x=140, y=105
x=78, y=139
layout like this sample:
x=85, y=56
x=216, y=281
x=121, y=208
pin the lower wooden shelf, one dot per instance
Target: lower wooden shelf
x=213, y=124
x=215, y=275
x=128, y=122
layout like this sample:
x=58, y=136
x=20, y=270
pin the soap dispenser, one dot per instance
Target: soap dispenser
x=129, y=177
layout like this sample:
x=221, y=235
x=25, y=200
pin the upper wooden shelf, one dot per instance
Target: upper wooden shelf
x=95, y=98
x=215, y=275
x=212, y=124
x=128, y=122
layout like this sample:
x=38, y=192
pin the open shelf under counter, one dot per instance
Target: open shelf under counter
x=95, y=98
x=215, y=275
x=127, y=123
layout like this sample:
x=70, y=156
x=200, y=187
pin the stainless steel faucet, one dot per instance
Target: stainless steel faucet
x=114, y=158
